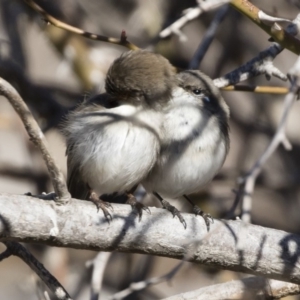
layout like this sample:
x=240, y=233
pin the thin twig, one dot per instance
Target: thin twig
x=138, y=286
x=51, y=282
x=189, y=15
x=257, y=89
x=279, y=138
x=208, y=37
x=38, y=138
x=50, y=19
x=99, y=264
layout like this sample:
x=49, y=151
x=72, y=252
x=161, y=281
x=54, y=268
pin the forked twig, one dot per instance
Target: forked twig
x=279, y=138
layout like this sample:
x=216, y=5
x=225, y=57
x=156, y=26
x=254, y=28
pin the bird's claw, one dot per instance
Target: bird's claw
x=137, y=206
x=207, y=217
x=103, y=205
x=174, y=211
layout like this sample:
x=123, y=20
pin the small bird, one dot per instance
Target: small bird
x=113, y=139
x=194, y=141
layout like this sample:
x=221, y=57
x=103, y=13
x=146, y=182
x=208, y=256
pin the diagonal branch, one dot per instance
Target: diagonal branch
x=269, y=25
x=261, y=64
x=208, y=37
x=50, y=19
x=138, y=286
x=189, y=15
x=52, y=283
x=38, y=138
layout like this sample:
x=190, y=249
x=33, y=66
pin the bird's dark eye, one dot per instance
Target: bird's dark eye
x=197, y=91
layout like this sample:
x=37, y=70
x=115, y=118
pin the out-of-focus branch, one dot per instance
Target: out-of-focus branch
x=268, y=24
x=232, y=245
x=189, y=15
x=38, y=138
x=248, y=288
x=18, y=250
x=98, y=264
x=208, y=37
x=50, y=19
x=279, y=138
x=138, y=286
x=257, y=89
x=261, y=64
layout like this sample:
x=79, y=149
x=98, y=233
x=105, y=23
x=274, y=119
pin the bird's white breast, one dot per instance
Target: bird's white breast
x=193, y=150
x=118, y=147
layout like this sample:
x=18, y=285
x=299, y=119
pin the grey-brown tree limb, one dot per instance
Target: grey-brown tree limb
x=247, y=288
x=231, y=245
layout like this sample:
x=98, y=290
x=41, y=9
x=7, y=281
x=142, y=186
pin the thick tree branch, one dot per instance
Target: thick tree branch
x=37, y=137
x=281, y=36
x=232, y=245
x=248, y=288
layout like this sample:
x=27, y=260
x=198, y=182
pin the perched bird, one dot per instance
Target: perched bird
x=113, y=139
x=194, y=141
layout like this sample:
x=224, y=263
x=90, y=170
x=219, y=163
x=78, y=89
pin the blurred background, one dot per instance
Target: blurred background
x=54, y=70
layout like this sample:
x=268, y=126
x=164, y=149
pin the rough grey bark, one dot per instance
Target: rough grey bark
x=247, y=288
x=232, y=245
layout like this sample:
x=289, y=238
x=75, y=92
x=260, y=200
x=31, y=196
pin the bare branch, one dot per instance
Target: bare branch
x=138, y=286
x=232, y=245
x=50, y=19
x=247, y=288
x=268, y=24
x=38, y=138
x=189, y=15
x=51, y=282
x=208, y=37
x=261, y=64
x=99, y=264
x=279, y=138
x=257, y=89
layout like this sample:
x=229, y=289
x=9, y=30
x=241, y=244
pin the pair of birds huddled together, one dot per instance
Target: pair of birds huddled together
x=154, y=126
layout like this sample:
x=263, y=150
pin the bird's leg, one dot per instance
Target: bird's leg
x=136, y=205
x=198, y=211
x=171, y=209
x=101, y=204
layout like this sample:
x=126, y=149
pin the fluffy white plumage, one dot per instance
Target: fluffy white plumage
x=117, y=147
x=192, y=151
